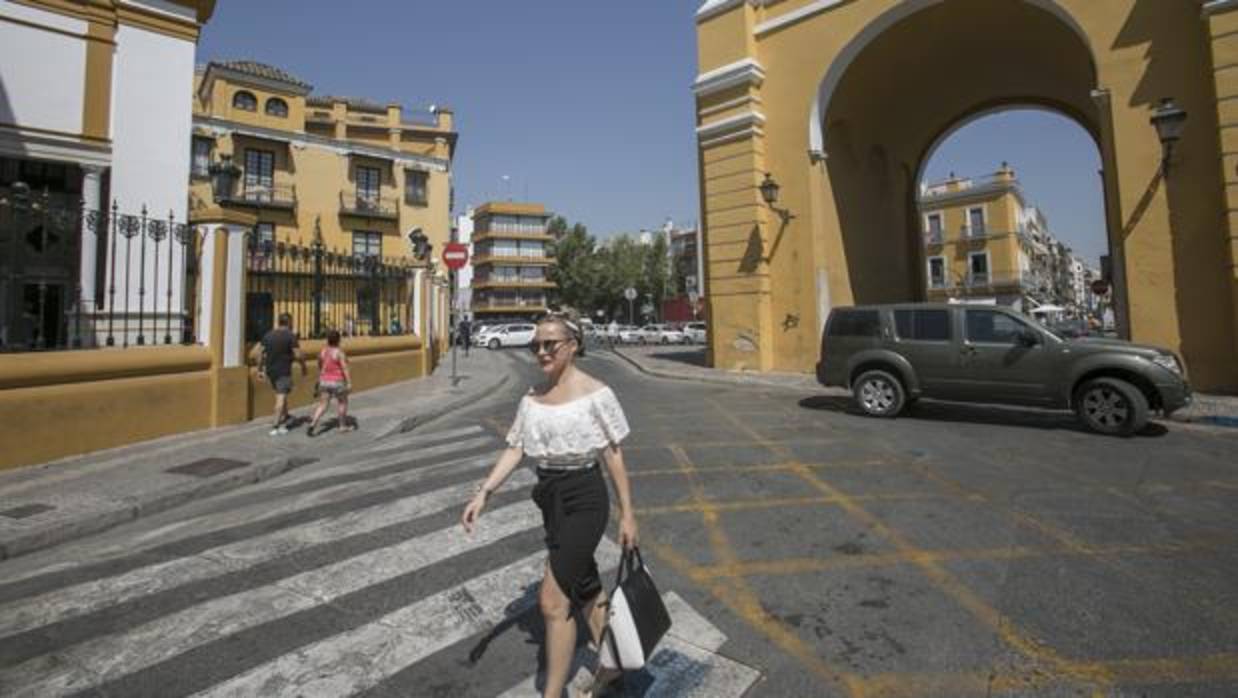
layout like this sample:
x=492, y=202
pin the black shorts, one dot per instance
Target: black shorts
x=281, y=384
x=575, y=506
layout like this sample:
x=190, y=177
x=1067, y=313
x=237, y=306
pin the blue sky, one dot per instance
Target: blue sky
x=585, y=105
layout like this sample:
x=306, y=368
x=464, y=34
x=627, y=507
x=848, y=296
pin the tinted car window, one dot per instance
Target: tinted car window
x=923, y=325
x=855, y=323
x=993, y=327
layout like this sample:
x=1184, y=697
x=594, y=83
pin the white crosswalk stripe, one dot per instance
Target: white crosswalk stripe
x=80, y=599
x=349, y=658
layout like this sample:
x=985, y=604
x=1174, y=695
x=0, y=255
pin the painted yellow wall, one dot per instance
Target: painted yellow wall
x=855, y=236
x=59, y=404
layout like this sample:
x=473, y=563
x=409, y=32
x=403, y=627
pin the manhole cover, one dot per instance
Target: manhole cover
x=26, y=510
x=208, y=467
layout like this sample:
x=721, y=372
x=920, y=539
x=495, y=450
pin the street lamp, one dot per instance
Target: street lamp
x=1168, y=120
x=421, y=244
x=769, y=190
x=223, y=174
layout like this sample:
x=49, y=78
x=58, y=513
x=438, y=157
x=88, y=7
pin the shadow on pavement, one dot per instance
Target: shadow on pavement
x=932, y=411
x=692, y=357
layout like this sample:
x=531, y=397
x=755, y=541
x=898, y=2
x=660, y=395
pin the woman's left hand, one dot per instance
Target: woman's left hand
x=628, y=538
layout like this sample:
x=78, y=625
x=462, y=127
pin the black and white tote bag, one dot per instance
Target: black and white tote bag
x=638, y=618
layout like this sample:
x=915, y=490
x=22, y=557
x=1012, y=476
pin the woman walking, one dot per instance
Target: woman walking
x=334, y=381
x=567, y=426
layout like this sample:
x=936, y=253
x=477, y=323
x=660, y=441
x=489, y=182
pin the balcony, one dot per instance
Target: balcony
x=934, y=237
x=366, y=204
x=526, y=260
x=271, y=196
x=515, y=282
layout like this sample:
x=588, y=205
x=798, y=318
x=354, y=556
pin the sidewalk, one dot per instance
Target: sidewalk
x=688, y=363
x=47, y=504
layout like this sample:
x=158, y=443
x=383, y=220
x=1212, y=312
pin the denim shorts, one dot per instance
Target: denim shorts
x=282, y=384
x=335, y=389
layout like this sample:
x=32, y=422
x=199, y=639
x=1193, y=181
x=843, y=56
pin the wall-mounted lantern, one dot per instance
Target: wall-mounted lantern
x=421, y=244
x=224, y=174
x=1169, y=120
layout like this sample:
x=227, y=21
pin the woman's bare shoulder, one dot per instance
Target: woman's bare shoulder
x=587, y=384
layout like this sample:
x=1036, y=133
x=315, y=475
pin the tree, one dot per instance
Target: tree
x=576, y=266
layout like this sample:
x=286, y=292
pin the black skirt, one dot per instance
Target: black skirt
x=575, y=506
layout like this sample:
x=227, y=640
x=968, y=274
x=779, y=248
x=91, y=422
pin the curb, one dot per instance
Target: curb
x=716, y=380
x=130, y=510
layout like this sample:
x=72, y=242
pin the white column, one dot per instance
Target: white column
x=233, y=293
x=92, y=197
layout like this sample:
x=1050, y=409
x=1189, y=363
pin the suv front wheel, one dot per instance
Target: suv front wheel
x=1111, y=406
x=879, y=394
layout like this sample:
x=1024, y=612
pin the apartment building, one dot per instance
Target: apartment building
x=511, y=260
x=983, y=242
x=359, y=173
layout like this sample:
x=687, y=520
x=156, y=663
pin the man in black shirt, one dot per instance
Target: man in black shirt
x=280, y=348
x=464, y=332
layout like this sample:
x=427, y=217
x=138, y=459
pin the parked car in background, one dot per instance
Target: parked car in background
x=629, y=334
x=516, y=334
x=661, y=334
x=696, y=332
x=891, y=355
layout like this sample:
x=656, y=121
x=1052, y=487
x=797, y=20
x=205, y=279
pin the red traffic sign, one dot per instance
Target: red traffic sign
x=1100, y=287
x=455, y=255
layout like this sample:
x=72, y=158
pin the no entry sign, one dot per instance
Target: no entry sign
x=455, y=255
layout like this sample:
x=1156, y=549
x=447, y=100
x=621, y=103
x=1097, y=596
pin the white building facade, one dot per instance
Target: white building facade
x=95, y=119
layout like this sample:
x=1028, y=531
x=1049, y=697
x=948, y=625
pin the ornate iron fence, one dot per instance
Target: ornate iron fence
x=323, y=289
x=73, y=277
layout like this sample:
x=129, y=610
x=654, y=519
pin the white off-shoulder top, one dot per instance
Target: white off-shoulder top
x=569, y=435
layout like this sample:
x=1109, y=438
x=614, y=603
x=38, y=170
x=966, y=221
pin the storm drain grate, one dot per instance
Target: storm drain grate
x=208, y=467
x=26, y=510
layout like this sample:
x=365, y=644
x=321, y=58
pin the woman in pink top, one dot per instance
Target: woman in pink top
x=333, y=381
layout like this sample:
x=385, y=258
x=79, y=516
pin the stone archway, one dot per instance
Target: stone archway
x=880, y=81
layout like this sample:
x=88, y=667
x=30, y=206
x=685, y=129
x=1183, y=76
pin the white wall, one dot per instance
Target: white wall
x=464, y=277
x=42, y=73
x=151, y=121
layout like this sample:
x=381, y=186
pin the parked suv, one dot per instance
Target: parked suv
x=891, y=355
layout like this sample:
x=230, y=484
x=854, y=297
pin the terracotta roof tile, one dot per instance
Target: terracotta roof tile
x=262, y=70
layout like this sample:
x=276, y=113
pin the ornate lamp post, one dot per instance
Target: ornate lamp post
x=223, y=177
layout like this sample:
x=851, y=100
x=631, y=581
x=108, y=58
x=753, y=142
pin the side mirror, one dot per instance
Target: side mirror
x=1028, y=338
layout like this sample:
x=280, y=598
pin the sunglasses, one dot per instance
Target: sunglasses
x=548, y=346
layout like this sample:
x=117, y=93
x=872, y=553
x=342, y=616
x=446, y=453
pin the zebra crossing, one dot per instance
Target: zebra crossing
x=349, y=578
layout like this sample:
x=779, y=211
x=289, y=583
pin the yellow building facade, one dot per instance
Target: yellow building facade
x=978, y=241
x=511, y=260
x=842, y=102
x=362, y=173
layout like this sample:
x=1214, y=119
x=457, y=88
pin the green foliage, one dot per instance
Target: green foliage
x=592, y=277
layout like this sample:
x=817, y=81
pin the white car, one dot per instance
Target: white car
x=695, y=332
x=661, y=334
x=628, y=334
x=516, y=334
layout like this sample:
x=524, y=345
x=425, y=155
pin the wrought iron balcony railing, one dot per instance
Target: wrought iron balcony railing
x=277, y=196
x=369, y=204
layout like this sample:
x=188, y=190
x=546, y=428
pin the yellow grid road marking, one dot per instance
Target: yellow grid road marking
x=1003, y=626
x=738, y=597
x=714, y=506
x=806, y=565
x=767, y=468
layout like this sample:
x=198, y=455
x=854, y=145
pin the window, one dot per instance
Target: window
x=416, y=187
x=200, y=160
x=978, y=268
x=245, y=100
x=937, y=272
x=263, y=251
x=935, y=226
x=277, y=107
x=975, y=221
x=369, y=183
x=923, y=325
x=855, y=323
x=367, y=244
x=259, y=174
x=993, y=327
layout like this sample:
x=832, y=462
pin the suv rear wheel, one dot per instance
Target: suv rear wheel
x=879, y=393
x=1111, y=406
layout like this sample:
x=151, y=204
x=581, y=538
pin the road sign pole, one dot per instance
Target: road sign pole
x=455, y=326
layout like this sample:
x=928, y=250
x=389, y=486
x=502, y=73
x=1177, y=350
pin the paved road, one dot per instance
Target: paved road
x=804, y=551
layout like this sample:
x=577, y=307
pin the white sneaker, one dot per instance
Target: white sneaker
x=278, y=431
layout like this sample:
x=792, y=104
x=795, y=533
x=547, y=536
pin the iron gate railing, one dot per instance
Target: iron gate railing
x=325, y=289
x=144, y=275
